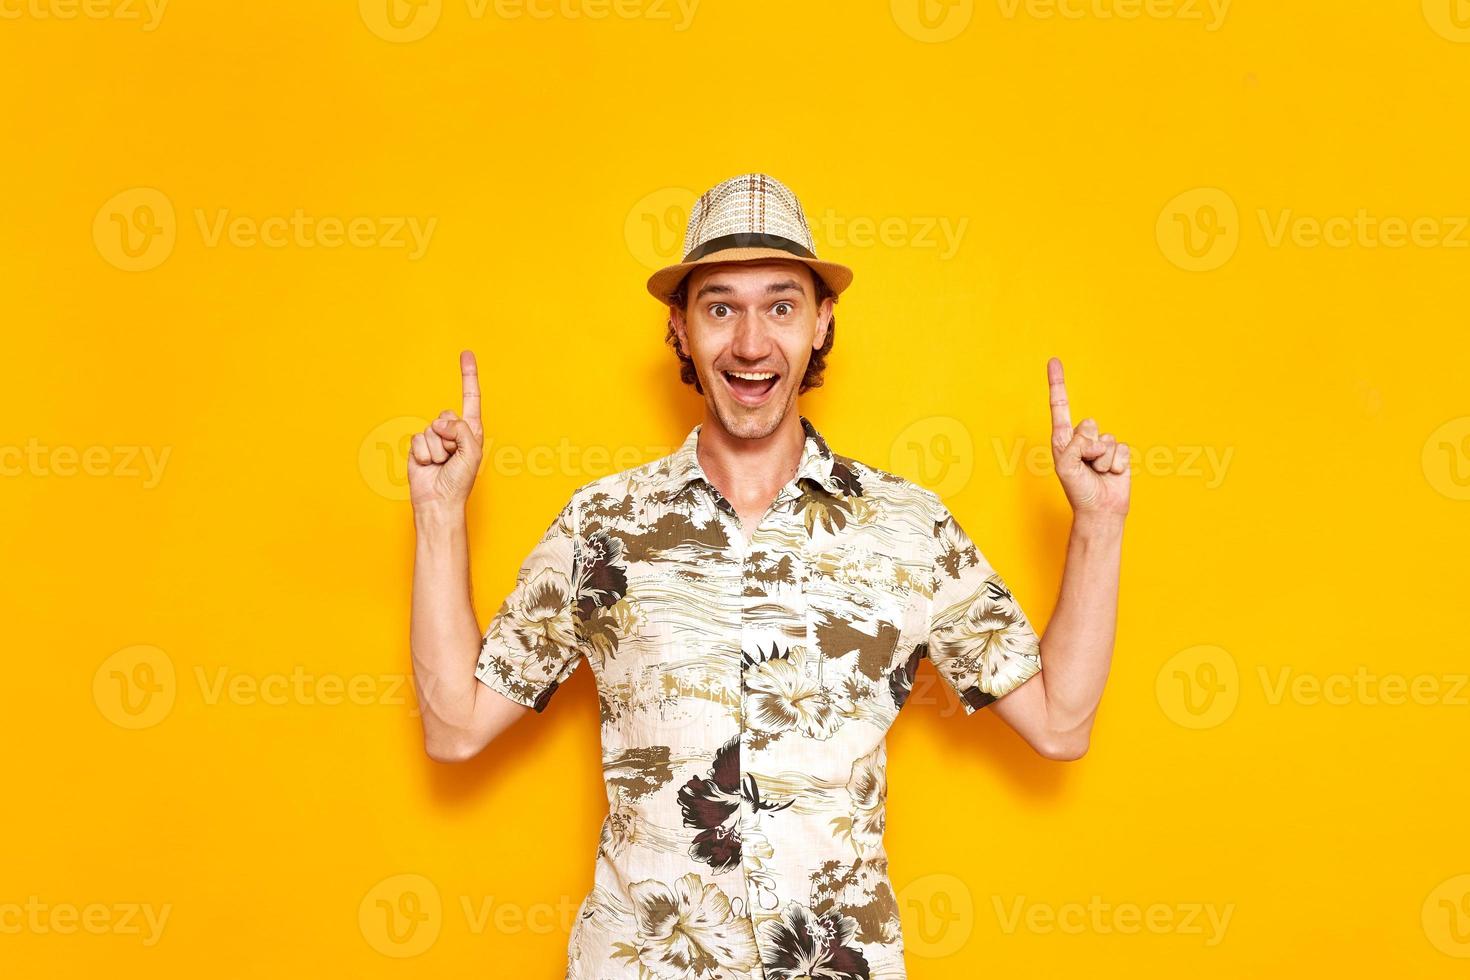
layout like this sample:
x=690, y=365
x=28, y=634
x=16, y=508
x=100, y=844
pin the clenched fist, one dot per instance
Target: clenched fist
x=444, y=458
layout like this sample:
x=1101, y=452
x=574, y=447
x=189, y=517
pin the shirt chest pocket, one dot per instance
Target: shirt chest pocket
x=858, y=618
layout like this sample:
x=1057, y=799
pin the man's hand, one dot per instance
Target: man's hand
x=1093, y=468
x=444, y=458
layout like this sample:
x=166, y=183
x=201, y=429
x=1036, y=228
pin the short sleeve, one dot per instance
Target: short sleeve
x=531, y=645
x=980, y=641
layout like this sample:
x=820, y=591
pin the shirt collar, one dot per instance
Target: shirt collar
x=818, y=463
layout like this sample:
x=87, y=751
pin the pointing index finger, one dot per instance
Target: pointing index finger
x=1061, y=413
x=470, y=373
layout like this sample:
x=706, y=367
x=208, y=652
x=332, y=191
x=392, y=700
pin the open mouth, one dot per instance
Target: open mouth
x=751, y=387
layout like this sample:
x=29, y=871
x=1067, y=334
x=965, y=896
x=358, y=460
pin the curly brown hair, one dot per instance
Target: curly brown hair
x=679, y=298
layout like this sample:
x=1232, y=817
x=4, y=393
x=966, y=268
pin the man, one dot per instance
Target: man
x=754, y=608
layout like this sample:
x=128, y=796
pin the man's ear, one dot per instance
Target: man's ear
x=676, y=320
x=824, y=320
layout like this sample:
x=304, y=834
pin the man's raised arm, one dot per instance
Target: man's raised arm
x=460, y=715
x=1054, y=710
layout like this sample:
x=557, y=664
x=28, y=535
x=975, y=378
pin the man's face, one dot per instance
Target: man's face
x=750, y=330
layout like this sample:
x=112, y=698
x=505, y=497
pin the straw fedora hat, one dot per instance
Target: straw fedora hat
x=745, y=219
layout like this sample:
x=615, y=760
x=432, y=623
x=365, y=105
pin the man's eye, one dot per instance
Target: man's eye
x=719, y=309
x=781, y=309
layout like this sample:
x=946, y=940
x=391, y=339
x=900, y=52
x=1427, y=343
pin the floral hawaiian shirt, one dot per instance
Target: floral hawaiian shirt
x=746, y=688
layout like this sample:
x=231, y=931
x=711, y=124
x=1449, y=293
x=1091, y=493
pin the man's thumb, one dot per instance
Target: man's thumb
x=466, y=443
x=1072, y=448
x=1073, y=456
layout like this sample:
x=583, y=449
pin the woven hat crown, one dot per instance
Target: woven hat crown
x=748, y=204
x=750, y=218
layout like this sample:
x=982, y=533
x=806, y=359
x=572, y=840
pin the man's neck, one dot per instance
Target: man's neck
x=750, y=472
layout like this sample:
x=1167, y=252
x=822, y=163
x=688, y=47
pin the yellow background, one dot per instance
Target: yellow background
x=272, y=816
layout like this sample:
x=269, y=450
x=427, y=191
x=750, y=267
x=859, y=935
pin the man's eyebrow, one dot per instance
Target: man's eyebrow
x=713, y=287
x=720, y=289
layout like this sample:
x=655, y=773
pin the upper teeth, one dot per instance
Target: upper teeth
x=753, y=375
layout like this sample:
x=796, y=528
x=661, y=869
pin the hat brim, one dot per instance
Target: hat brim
x=666, y=280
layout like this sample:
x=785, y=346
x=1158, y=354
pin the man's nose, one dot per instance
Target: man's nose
x=752, y=340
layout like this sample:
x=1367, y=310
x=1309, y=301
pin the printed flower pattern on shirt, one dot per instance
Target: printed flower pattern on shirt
x=688, y=930
x=802, y=945
x=785, y=697
x=745, y=687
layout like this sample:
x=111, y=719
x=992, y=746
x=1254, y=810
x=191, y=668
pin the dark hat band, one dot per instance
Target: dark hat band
x=749, y=239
